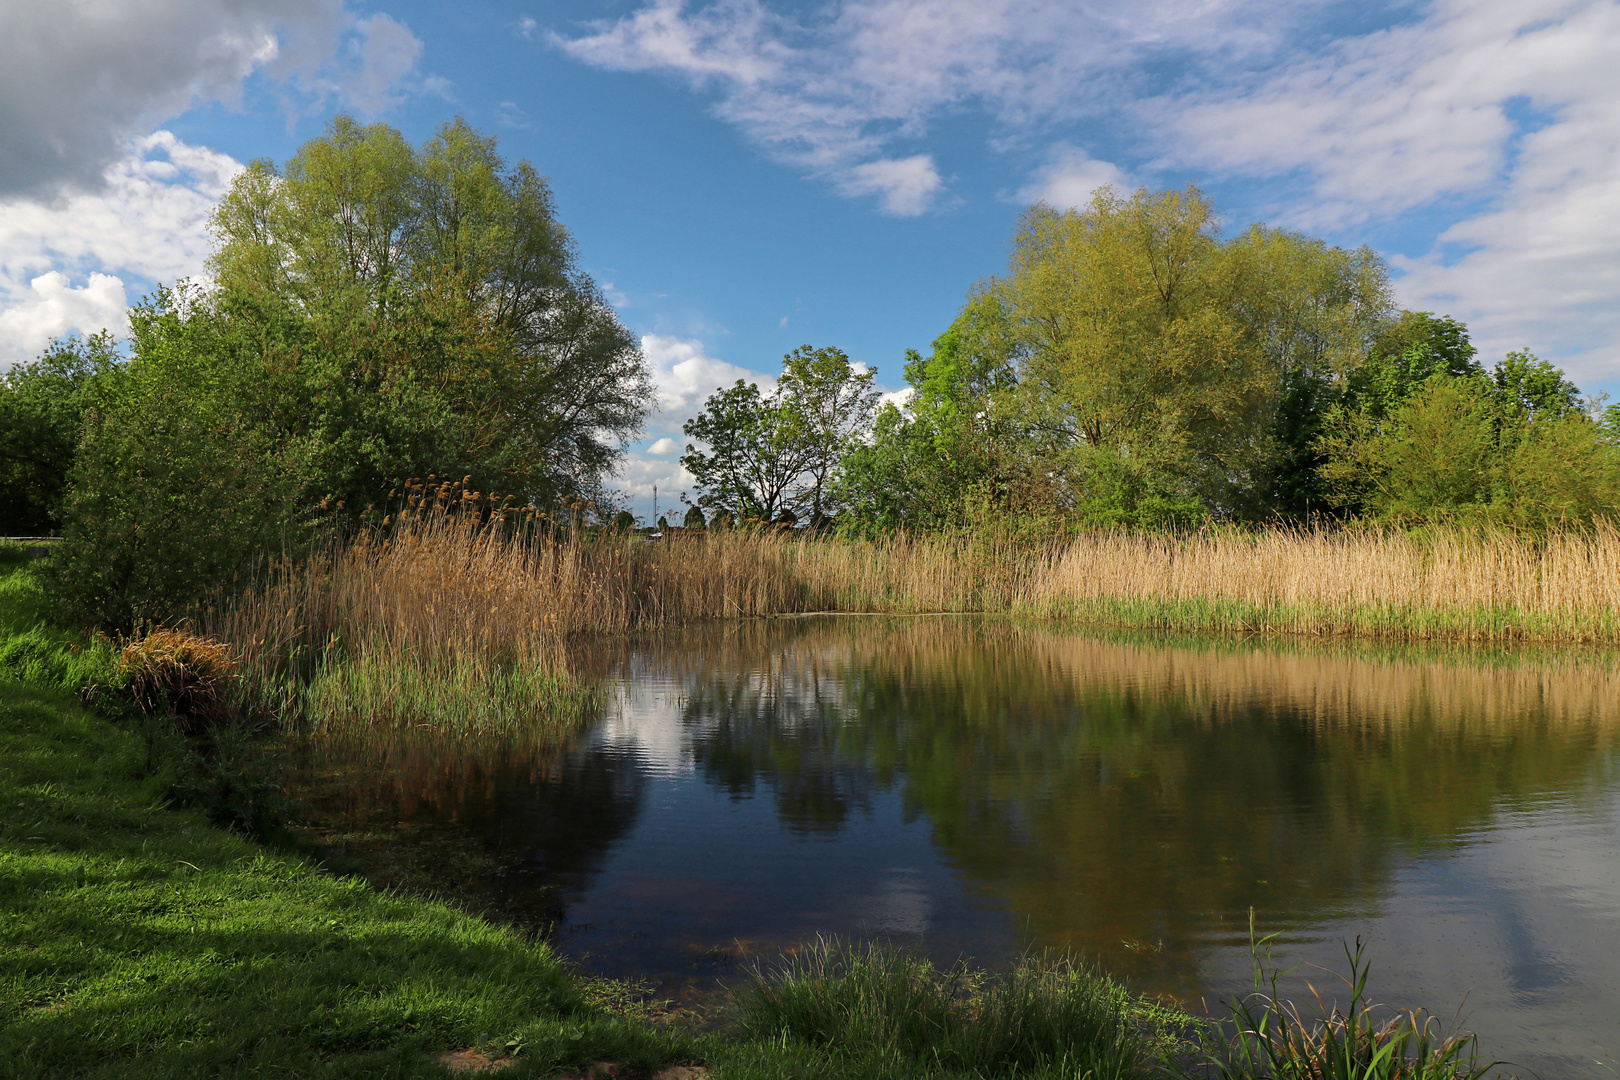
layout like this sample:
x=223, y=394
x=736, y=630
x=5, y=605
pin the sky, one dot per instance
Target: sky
x=746, y=176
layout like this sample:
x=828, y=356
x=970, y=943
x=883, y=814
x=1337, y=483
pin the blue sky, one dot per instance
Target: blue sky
x=746, y=176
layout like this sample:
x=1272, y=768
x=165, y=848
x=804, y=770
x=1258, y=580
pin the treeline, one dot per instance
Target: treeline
x=1132, y=368
x=384, y=320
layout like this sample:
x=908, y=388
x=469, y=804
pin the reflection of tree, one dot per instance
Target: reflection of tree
x=546, y=819
x=787, y=727
x=1110, y=791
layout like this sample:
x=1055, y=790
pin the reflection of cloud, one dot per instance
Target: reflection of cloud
x=900, y=904
x=148, y=223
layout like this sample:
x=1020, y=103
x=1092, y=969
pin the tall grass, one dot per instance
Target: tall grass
x=462, y=624
x=897, y=1014
x=1443, y=583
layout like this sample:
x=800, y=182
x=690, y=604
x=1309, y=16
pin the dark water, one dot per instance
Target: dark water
x=978, y=788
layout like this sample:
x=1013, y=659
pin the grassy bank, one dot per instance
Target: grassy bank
x=139, y=940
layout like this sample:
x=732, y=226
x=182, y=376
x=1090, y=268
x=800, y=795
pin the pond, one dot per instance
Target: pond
x=978, y=788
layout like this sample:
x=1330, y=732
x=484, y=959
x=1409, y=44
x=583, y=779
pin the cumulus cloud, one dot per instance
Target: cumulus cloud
x=664, y=447
x=146, y=224
x=1508, y=110
x=1069, y=178
x=830, y=92
x=77, y=80
x=905, y=187
x=684, y=375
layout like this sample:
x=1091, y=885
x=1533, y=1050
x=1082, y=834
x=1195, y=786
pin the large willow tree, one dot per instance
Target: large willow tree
x=1132, y=366
x=445, y=246
x=378, y=312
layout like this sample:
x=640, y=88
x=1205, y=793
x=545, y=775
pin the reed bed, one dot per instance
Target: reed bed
x=1439, y=584
x=460, y=623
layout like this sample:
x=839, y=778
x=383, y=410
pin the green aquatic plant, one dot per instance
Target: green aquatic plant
x=890, y=1012
x=1270, y=1038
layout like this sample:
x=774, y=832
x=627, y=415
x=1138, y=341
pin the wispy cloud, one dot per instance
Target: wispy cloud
x=836, y=92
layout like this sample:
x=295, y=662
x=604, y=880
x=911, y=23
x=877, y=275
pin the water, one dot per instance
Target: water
x=977, y=788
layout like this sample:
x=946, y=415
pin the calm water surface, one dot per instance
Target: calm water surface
x=977, y=788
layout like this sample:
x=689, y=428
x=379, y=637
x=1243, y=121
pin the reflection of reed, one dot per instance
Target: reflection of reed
x=1384, y=686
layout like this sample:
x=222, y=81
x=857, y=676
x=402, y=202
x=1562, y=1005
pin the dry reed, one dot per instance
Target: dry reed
x=446, y=615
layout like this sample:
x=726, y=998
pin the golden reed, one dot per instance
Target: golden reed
x=411, y=623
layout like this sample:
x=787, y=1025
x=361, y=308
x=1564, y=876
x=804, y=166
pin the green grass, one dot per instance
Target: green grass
x=138, y=940
x=875, y=1011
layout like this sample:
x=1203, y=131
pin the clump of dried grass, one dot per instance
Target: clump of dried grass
x=180, y=674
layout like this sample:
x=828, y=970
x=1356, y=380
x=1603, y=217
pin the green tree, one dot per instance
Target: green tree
x=779, y=456
x=176, y=486
x=42, y=406
x=828, y=407
x=1135, y=354
x=445, y=242
x=1512, y=444
x=753, y=457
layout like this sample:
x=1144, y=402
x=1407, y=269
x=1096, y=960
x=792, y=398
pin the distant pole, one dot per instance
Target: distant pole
x=655, y=506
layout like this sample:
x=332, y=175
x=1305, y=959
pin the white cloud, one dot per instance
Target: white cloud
x=638, y=473
x=147, y=224
x=1069, y=177
x=664, y=447
x=829, y=92
x=685, y=375
x=55, y=309
x=906, y=187
x=77, y=80
x=1428, y=117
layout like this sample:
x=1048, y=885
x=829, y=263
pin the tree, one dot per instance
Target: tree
x=446, y=243
x=828, y=407
x=780, y=455
x=1133, y=346
x=1511, y=444
x=753, y=458
x=42, y=405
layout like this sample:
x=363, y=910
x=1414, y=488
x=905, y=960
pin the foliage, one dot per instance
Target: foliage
x=42, y=405
x=1433, y=436
x=781, y=454
x=896, y=1014
x=1130, y=368
x=448, y=243
x=752, y=458
x=380, y=314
